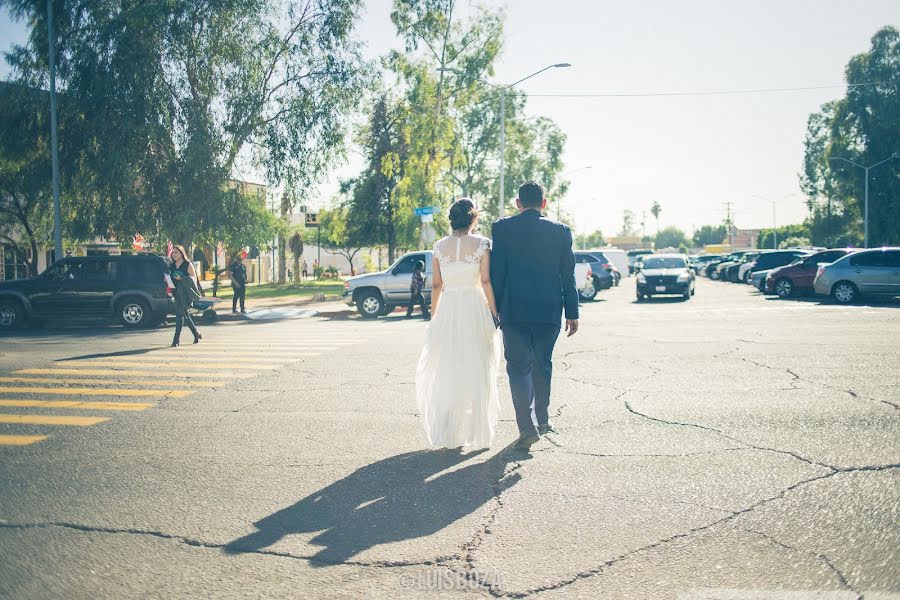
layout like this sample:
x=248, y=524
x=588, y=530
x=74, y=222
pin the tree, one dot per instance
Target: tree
x=709, y=234
x=590, y=240
x=766, y=240
x=670, y=237
x=627, y=229
x=655, y=210
x=340, y=236
x=296, y=246
x=861, y=127
x=172, y=95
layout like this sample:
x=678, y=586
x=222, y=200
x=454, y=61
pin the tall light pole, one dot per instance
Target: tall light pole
x=866, y=209
x=54, y=142
x=774, y=219
x=503, y=89
x=559, y=202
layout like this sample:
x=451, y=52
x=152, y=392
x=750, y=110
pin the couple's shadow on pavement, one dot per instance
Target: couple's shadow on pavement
x=398, y=498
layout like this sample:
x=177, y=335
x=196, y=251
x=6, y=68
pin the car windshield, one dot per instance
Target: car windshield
x=672, y=262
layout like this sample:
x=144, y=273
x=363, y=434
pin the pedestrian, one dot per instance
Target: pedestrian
x=316, y=268
x=183, y=275
x=305, y=270
x=415, y=292
x=238, y=283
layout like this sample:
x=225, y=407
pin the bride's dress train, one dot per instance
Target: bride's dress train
x=456, y=378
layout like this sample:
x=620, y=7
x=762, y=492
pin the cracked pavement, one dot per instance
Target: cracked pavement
x=731, y=446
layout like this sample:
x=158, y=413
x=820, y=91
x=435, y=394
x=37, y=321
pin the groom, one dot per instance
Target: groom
x=533, y=276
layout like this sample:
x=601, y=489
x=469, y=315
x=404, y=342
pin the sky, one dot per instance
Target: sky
x=691, y=153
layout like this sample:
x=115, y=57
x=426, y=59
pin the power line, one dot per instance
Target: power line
x=710, y=93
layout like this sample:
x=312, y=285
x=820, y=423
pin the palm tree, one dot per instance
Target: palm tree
x=655, y=210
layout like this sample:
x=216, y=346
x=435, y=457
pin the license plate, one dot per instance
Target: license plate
x=660, y=288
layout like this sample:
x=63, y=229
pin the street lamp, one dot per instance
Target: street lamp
x=559, y=202
x=866, y=210
x=503, y=89
x=774, y=219
x=54, y=141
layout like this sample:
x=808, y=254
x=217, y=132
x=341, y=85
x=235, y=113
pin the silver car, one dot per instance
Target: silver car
x=863, y=273
x=378, y=294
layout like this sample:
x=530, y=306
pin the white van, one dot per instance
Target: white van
x=618, y=258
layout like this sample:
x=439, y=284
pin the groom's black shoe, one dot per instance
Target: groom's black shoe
x=545, y=429
x=525, y=441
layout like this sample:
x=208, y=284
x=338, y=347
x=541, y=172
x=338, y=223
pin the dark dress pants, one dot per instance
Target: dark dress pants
x=239, y=293
x=529, y=364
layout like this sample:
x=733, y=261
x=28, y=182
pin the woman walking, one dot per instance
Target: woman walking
x=182, y=272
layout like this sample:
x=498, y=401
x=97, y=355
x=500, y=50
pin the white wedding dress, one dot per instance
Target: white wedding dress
x=456, y=379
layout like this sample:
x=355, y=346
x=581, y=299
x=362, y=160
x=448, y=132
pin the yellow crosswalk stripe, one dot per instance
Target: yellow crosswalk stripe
x=126, y=373
x=69, y=380
x=52, y=420
x=95, y=391
x=20, y=440
x=179, y=364
x=76, y=404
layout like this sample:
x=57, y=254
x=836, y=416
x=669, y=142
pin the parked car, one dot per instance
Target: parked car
x=616, y=275
x=132, y=289
x=603, y=278
x=584, y=282
x=378, y=294
x=797, y=277
x=732, y=274
x=859, y=274
x=758, y=279
x=633, y=256
x=699, y=264
x=771, y=259
x=712, y=268
x=665, y=274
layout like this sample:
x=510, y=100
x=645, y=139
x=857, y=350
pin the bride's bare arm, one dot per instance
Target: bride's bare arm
x=437, y=284
x=486, y=282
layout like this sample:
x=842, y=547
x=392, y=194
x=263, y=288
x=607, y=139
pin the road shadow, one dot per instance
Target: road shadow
x=824, y=300
x=661, y=300
x=398, y=498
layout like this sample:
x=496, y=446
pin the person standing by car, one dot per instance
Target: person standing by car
x=415, y=292
x=183, y=275
x=238, y=283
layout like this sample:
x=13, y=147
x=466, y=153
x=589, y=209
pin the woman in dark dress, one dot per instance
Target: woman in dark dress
x=183, y=275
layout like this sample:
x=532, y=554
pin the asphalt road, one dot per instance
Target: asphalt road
x=727, y=447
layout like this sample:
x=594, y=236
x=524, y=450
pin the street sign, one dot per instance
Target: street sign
x=425, y=210
x=312, y=219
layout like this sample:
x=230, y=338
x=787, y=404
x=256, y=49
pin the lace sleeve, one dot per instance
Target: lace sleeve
x=483, y=248
x=437, y=252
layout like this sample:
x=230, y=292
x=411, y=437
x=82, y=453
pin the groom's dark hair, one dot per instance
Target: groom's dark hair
x=531, y=195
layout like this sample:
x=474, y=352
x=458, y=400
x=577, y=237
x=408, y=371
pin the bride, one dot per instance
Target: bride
x=456, y=379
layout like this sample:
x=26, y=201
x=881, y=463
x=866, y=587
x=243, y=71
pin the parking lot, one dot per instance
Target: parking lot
x=730, y=444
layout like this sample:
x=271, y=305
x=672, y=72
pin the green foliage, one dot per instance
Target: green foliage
x=709, y=234
x=655, y=210
x=163, y=98
x=795, y=242
x=766, y=241
x=670, y=237
x=590, y=240
x=683, y=249
x=628, y=224
x=861, y=127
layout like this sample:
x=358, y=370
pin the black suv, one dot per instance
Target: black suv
x=131, y=289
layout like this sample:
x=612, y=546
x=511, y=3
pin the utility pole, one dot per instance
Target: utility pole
x=729, y=226
x=866, y=208
x=54, y=141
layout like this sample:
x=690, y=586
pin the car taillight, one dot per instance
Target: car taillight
x=590, y=272
x=346, y=286
x=819, y=271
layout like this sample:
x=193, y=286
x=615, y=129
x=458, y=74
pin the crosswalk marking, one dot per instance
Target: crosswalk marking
x=77, y=404
x=125, y=373
x=176, y=364
x=52, y=420
x=69, y=380
x=94, y=392
x=20, y=440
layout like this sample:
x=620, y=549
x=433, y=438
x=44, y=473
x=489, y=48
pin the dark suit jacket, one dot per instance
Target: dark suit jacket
x=533, y=269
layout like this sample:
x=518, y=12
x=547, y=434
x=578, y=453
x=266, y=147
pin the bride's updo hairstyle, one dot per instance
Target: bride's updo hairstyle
x=462, y=214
